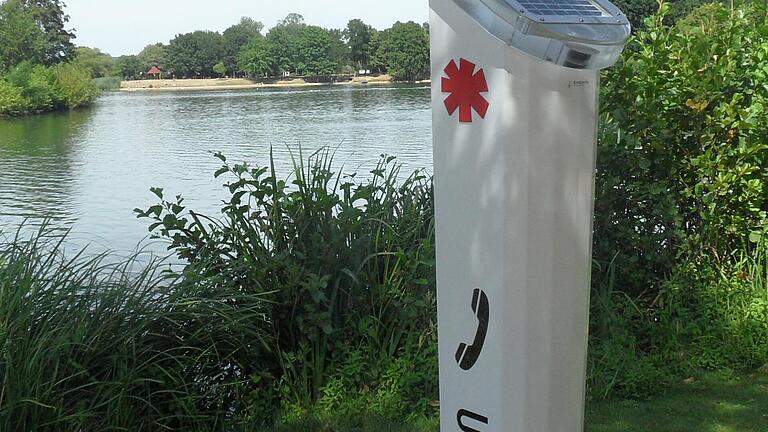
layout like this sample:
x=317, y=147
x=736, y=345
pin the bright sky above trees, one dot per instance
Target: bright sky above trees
x=126, y=27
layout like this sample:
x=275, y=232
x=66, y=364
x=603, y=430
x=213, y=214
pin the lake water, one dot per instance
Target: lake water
x=87, y=170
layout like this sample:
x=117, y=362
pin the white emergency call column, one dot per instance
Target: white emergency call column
x=515, y=94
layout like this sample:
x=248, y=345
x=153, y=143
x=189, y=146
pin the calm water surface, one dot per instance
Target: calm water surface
x=87, y=170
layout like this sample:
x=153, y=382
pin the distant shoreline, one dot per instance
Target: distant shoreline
x=240, y=83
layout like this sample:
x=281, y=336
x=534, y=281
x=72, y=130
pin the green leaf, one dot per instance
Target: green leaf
x=157, y=191
x=221, y=171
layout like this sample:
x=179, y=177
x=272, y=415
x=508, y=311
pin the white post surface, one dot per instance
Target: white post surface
x=514, y=204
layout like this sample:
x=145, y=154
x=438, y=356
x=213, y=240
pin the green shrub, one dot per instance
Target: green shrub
x=74, y=86
x=40, y=89
x=683, y=143
x=680, y=192
x=43, y=89
x=36, y=85
x=637, y=10
x=11, y=99
x=345, y=267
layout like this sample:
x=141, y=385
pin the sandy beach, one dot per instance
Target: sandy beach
x=239, y=83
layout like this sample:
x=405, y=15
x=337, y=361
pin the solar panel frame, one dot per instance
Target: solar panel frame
x=568, y=11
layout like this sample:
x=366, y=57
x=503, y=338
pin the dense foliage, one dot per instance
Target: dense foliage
x=29, y=88
x=318, y=293
x=404, y=49
x=34, y=49
x=346, y=271
x=34, y=30
x=97, y=63
x=681, y=201
x=638, y=10
x=292, y=47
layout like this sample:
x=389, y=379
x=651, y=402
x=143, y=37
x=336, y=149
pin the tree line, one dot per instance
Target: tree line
x=295, y=48
x=292, y=47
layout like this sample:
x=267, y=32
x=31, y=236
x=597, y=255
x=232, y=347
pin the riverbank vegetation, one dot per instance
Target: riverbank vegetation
x=310, y=301
x=36, y=74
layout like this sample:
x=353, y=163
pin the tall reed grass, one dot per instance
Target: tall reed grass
x=91, y=346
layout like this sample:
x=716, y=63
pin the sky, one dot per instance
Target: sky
x=126, y=27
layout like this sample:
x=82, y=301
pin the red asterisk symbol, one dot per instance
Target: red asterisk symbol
x=465, y=86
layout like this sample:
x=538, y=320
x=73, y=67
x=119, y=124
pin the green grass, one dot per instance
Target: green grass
x=712, y=404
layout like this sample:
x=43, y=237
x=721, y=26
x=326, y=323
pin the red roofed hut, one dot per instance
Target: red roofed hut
x=155, y=72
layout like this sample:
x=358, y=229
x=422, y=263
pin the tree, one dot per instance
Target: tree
x=154, y=55
x=194, y=54
x=406, y=49
x=237, y=37
x=97, y=63
x=21, y=39
x=358, y=37
x=282, y=40
x=129, y=67
x=254, y=59
x=376, y=54
x=292, y=19
x=339, y=53
x=314, y=48
x=50, y=17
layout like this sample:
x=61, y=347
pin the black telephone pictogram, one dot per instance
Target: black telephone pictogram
x=466, y=356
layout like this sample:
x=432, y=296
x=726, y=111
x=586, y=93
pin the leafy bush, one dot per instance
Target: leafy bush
x=638, y=11
x=682, y=144
x=11, y=99
x=42, y=88
x=36, y=85
x=681, y=203
x=345, y=268
x=74, y=87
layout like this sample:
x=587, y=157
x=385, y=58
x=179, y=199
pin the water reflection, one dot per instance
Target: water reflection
x=38, y=165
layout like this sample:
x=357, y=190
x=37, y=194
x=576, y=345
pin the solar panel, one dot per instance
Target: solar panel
x=563, y=8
